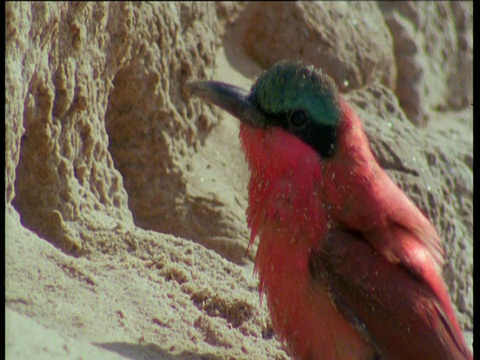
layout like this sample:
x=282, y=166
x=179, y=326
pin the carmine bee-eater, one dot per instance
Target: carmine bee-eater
x=351, y=268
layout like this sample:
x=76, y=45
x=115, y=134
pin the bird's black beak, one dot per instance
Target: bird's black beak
x=232, y=99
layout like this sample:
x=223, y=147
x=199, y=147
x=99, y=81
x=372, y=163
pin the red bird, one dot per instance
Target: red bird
x=351, y=268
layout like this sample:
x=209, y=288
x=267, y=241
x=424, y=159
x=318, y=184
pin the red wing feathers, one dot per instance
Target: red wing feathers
x=402, y=314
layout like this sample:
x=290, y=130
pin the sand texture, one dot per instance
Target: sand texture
x=125, y=197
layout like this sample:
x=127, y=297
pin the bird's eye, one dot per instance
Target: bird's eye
x=297, y=119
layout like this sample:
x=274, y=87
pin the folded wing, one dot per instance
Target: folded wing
x=399, y=303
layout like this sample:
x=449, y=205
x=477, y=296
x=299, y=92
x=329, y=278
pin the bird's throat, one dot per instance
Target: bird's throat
x=285, y=185
x=285, y=208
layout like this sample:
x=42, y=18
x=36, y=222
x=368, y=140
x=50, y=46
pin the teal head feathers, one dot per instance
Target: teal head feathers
x=299, y=99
